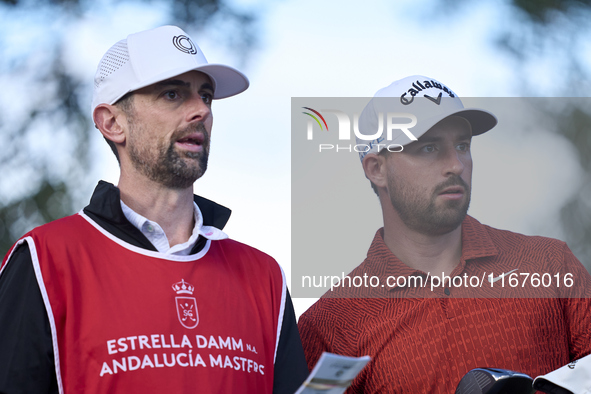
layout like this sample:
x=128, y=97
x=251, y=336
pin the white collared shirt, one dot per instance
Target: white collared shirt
x=156, y=236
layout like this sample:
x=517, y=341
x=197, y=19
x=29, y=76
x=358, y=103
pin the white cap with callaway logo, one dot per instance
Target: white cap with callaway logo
x=151, y=56
x=573, y=378
x=427, y=100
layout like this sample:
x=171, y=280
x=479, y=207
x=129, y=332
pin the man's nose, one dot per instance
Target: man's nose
x=198, y=110
x=455, y=161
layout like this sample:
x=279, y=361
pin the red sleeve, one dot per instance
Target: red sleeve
x=313, y=339
x=577, y=305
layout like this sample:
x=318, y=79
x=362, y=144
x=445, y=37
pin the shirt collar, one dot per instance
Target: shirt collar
x=476, y=243
x=105, y=204
x=476, y=240
x=156, y=235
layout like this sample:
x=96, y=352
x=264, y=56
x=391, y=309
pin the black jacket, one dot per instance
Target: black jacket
x=26, y=352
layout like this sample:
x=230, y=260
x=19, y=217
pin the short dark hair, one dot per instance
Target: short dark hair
x=125, y=103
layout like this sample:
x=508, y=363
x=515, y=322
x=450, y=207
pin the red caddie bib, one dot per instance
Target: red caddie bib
x=124, y=319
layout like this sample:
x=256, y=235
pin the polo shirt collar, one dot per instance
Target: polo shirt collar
x=158, y=238
x=476, y=243
x=105, y=203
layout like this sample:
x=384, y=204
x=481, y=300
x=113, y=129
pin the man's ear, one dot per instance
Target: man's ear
x=111, y=122
x=374, y=166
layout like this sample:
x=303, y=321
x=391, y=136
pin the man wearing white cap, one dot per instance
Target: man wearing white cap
x=430, y=322
x=142, y=291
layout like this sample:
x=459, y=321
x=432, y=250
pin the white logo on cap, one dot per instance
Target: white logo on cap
x=184, y=44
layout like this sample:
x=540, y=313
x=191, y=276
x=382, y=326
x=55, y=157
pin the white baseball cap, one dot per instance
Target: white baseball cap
x=573, y=378
x=151, y=56
x=428, y=100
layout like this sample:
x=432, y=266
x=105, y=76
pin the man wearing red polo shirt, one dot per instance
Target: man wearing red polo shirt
x=447, y=307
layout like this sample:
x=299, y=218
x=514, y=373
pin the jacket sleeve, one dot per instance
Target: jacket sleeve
x=290, y=363
x=26, y=351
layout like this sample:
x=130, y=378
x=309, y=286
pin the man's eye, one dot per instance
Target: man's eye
x=428, y=149
x=463, y=147
x=171, y=95
x=207, y=98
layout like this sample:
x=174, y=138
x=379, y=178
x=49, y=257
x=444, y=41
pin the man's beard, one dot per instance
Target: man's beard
x=422, y=214
x=165, y=165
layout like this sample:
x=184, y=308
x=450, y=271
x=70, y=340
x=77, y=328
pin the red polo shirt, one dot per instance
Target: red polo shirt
x=424, y=339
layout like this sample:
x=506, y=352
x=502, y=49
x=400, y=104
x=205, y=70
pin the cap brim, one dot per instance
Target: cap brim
x=480, y=120
x=228, y=81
